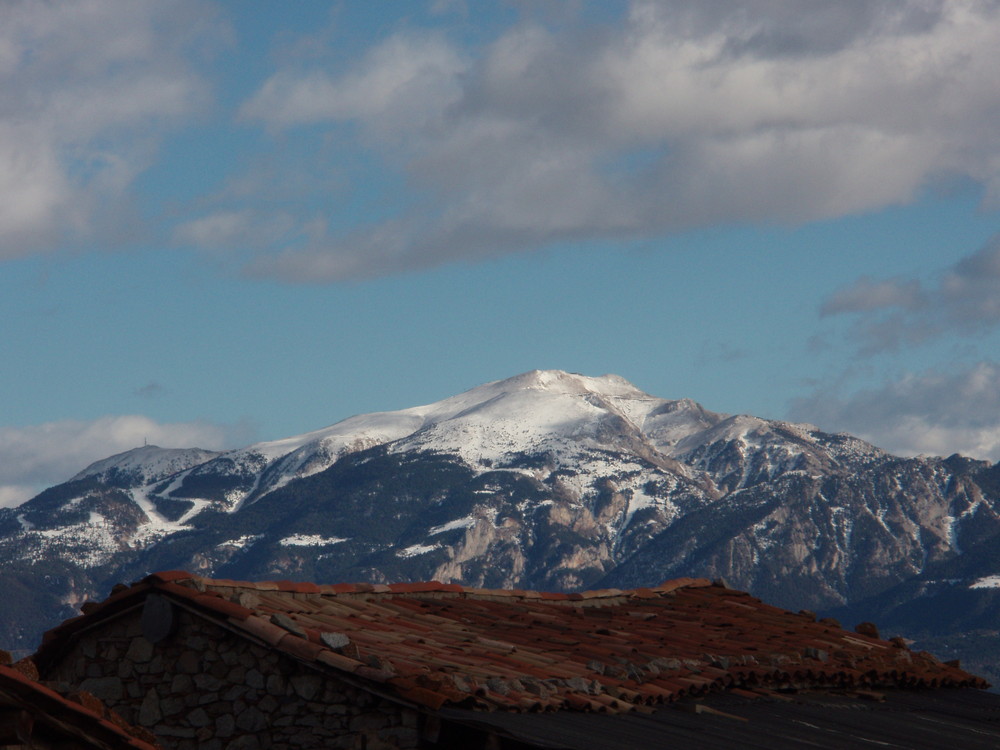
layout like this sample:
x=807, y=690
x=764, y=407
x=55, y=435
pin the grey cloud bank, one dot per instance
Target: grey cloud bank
x=672, y=116
x=963, y=299
x=935, y=412
x=683, y=115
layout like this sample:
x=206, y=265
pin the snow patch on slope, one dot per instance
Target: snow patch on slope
x=987, y=582
x=417, y=549
x=458, y=523
x=247, y=540
x=310, y=540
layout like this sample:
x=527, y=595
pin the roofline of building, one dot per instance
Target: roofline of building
x=221, y=601
x=79, y=714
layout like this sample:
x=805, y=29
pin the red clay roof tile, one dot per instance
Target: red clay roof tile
x=167, y=576
x=338, y=588
x=263, y=629
x=300, y=648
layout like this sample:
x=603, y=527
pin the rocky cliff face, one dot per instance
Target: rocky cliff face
x=545, y=481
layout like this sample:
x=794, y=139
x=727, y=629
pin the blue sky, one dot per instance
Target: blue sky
x=236, y=221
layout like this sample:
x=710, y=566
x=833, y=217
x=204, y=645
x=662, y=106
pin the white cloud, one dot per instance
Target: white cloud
x=933, y=412
x=38, y=456
x=682, y=114
x=88, y=86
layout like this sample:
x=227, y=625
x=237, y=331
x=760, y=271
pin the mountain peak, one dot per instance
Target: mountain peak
x=146, y=463
x=570, y=383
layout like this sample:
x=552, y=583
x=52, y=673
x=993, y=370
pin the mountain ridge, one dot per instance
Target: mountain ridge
x=547, y=480
x=422, y=427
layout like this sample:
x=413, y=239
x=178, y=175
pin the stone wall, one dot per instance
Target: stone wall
x=207, y=688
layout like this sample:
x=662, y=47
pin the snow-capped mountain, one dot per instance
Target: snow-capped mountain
x=547, y=480
x=535, y=412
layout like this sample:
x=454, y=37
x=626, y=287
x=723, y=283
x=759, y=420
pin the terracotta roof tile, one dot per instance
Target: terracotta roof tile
x=170, y=575
x=300, y=648
x=175, y=589
x=606, y=650
x=263, y=629
x=339, y=588
x=338, y=661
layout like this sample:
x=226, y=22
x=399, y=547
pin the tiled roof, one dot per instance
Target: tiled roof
x=78, y=716
x=439, y=644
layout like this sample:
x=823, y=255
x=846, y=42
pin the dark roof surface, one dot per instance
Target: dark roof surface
x=38, y=713
x=906, y=719
x=606, y=651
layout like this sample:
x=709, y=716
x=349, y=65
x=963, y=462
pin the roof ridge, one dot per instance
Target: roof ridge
x=425, y=587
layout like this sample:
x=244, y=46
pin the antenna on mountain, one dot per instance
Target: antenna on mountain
x=144, y=442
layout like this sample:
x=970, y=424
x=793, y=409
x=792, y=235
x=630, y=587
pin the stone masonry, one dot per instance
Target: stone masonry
x=206, y=688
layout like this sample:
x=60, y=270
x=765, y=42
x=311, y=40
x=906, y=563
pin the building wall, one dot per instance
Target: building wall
x=207, y=688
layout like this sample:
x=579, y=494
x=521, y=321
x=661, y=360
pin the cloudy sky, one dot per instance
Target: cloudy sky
x=223, y=222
